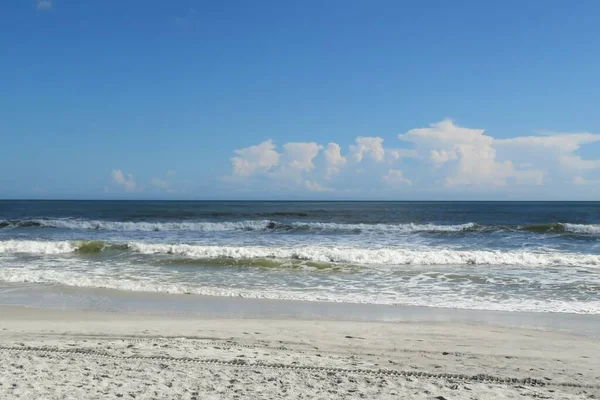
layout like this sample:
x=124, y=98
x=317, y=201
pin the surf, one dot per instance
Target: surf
x=318, y=254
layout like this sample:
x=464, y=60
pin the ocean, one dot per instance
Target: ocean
x=501, y=256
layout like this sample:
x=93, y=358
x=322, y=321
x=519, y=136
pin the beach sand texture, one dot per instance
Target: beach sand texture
x=76, y=355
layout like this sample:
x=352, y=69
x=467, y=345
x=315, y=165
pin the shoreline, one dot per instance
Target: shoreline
x=49, y=353
x=59, y=297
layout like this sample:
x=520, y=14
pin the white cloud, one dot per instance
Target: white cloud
x=300, y=155
x=446, y=135
x=442, y=156
x=397, y=154
x=287, y=168
x=530, y=177
x=573, y=162
x=368, y=145
x=255, y=159
x=562, y=143
x=396, y=177
x=126, y=181
x=457, y=157
x=44, y=4
x=553, y=151
x=334, y=159
x=468, y=155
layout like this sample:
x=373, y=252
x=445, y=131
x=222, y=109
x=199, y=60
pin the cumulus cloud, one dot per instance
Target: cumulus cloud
x=573, y=162
x=44, y=4
x=255, y=159
x=442, y=156
x=288, y=168
x=334, y=159
x=470, y=152
x=127, y=182
x=551, y=151
x=300, y=156
x=395, y=177
x=562, y=143
x=396, y=154
x=372, y=146
x=446, y=135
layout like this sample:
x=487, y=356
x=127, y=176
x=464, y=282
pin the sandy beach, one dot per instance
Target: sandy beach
x=71, y=354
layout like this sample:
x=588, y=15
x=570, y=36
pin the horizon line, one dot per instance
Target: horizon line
x=314, y=200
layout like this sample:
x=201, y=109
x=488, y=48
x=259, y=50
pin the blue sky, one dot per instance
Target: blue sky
x=300, y=100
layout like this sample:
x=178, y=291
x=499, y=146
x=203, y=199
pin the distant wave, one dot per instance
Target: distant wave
x=251, y=225
x=313, y=254
x=136, y=226
x=331, y=226
x=557, y=227
x=269, y=226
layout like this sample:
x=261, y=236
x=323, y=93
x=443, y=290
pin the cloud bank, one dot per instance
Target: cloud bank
x=441, y=156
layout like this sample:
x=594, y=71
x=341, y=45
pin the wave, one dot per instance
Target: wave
x=274, y=226
x=37, y=247
x=81, y=224
x=404, y=228
x=388, y=256
x=313, y=254
x=558, y=227
x=20, y=224
x=57, y=247
x=589, y=229
x=251, y=225
x=255, y=262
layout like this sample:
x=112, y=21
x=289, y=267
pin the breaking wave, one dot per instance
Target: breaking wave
x=589, y=229
x=251, y=225
x=313, y=254
x=270, y=226
x=136, y=226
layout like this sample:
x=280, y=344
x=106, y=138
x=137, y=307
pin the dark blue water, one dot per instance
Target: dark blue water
x=485, y=213
x=515, y=256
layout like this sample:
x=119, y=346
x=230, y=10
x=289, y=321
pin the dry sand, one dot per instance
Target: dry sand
x=87, y=355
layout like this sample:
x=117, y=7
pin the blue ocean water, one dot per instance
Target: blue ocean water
x=512, y=256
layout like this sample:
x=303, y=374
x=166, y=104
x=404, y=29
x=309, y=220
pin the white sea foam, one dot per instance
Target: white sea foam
x=152, y=226
x=588, y=229
x=267, y=225
x=385, y=227
x=37, y=247
x=360, y=256
x=206, y=226
x=386, y=256
x=441, y=299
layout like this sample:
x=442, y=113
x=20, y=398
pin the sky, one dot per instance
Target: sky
x=286, y=100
